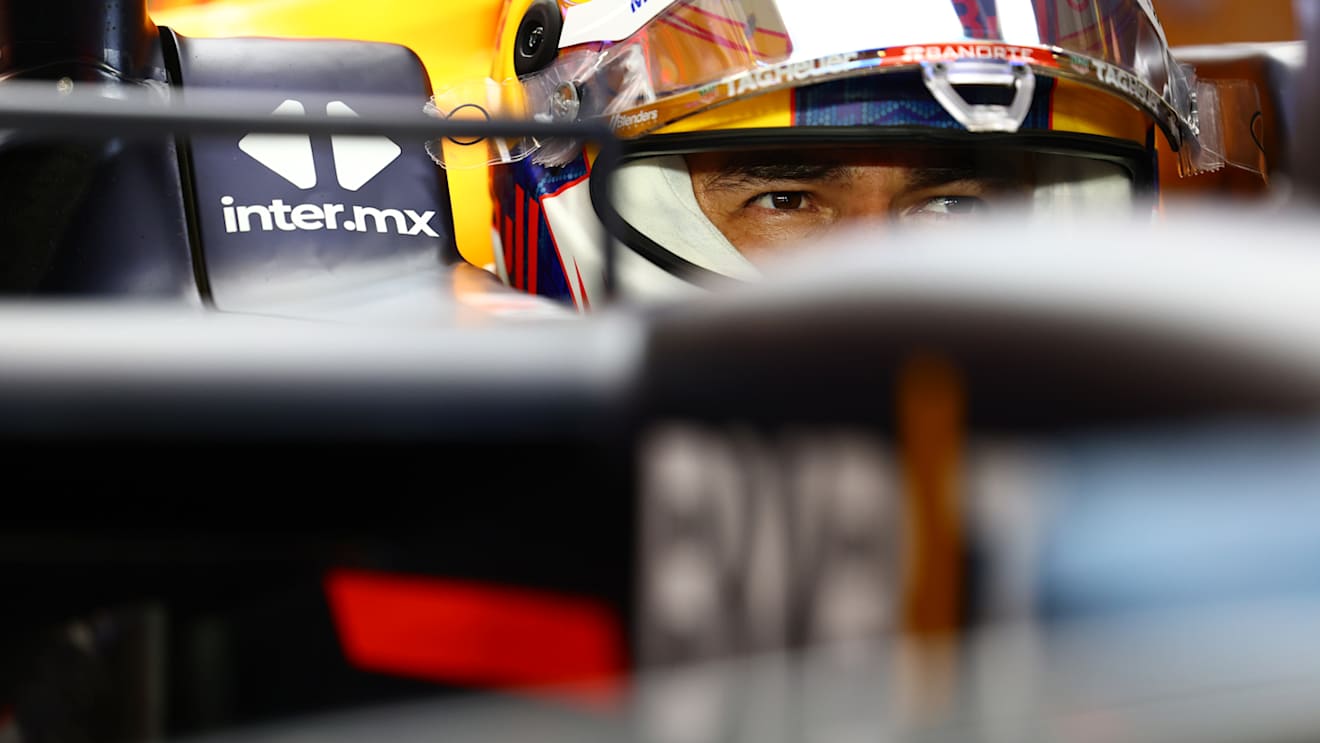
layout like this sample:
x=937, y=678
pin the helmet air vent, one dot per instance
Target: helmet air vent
x=944, y=78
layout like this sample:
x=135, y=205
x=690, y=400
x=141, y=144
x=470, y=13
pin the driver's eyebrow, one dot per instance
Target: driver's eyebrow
x=920, y=178
x=996, y=176
x=741, y=170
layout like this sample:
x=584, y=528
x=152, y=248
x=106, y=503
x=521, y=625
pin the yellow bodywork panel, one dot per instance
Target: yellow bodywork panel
x=455, y=40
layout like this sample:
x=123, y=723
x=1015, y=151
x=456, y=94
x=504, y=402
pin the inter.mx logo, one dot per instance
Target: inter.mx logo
x=357, y=160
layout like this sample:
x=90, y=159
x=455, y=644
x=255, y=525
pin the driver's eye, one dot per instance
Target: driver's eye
x=946, y=207
x=780, y=200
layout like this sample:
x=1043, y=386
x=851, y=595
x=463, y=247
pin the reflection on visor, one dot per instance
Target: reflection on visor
x=694, y=54
x=726, y=210
x=641, y=66
x=695, y=43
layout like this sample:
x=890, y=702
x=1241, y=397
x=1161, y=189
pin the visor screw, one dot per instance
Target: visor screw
x=533, y=40
x=536, y=44
x=565, y=103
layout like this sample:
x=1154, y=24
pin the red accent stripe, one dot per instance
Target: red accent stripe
x=559, y=254
x=582, y=290
x=533, y=240
x=520, y=239
x=725, y=19
x=506, y=235
x=686, y=27
x=471, y=633
x=565, y=186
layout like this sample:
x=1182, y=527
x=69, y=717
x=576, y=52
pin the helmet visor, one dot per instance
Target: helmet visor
x=659, y=63
x=722, y=209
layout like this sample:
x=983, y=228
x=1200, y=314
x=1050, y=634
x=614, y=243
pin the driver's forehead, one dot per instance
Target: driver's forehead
x=912, y=165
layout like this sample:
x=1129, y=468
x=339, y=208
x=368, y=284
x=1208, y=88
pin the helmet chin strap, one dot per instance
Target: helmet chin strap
x=655, y=197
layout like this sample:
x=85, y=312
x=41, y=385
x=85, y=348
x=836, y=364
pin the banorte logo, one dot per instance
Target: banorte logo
x=357, y=159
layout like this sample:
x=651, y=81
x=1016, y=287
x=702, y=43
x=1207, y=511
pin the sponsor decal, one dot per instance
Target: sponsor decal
x=629, y=121
x=788, y=73
x=1080, y=65
x=751, y=542
x=947, y=52
x=278, y=215
x=1108, y=74
x=357, y=160
x=1121, y=79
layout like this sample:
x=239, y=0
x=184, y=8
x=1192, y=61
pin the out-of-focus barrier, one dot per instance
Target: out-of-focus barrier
x=1194, y=22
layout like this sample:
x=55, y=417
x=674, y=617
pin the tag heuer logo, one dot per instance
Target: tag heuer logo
x=357, y=159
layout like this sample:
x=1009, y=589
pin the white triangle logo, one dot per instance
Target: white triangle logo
x=358, y=159
x=289, y=155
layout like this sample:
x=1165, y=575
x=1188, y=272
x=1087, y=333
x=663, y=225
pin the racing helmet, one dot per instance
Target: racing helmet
x=746, y=124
